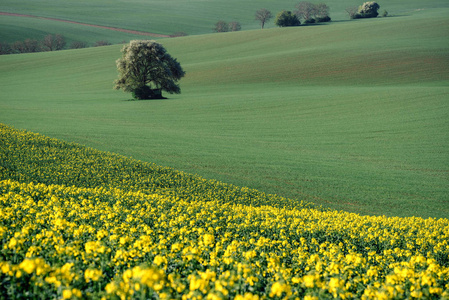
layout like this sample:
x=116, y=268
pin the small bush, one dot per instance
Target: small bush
x=310, y=21
x=101, y=43
x=286, y=18
x=323, y=19
x=5, y=48
x=53, y=42
x=234, y=26
x=367, y=10
x=78, y=45
x=221, y=26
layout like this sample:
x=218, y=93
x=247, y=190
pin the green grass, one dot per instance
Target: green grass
x=14, y=29
x=192, y=17
x=351, y=115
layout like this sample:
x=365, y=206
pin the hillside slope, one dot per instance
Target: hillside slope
x=92, y=224
x=351, y=115
x=192, y=17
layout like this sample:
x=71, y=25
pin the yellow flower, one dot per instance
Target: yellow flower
x=278, y=288
x=176, y=247
x=77, y=293
x=12, y=243
x=66, y=294
x=111, y=288
x=19, y=274
x=28, y=266
x=212, y=296
x=309, y=281
x=158, y=260
x=92, y=274
x=208, y=239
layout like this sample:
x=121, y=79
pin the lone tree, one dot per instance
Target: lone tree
x=146, y=69
x=286, y=18
x=263, y=15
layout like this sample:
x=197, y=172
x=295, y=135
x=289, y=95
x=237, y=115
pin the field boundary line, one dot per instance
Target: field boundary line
x=86, y=24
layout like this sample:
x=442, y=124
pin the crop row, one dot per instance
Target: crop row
x=110, y=238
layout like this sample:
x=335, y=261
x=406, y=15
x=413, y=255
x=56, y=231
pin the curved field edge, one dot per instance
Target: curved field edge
x=30, y=157
x=106, y=235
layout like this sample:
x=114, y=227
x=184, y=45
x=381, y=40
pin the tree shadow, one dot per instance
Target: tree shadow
x=155, y=99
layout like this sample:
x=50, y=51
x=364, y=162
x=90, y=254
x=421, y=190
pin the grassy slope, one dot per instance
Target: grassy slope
x=18, y=29
x=193, y=17
x=311, y=113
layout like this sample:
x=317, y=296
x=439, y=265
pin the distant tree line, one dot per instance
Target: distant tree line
x=49, y=43
x=309, y=13
x=305, y=12
x=222, y=26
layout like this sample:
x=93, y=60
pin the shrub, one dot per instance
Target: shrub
x=369, y=9
x=312, y=13
x=310, y=21
x=53, y=42
x=366, y=10
x=5, y=48
x=234, y=26
x=101, y=43
x=31, y=46
x=78, y=45
x=323, y=19
x=18, y=47
x=286, y=18
x=221, y=26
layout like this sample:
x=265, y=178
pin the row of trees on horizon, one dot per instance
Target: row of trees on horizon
x=49, y=43
x=305, y=13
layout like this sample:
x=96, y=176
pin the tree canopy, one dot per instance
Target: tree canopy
x=366, y=10
x=311, y=13
x=146, y=69
x=286, y=18
x=263, y=15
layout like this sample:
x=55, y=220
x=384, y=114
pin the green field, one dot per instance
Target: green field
x=351, y=115
x=193, y=16
x=14, y=29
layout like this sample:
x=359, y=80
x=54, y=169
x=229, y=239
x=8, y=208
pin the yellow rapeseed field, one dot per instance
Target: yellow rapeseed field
x=79, y=223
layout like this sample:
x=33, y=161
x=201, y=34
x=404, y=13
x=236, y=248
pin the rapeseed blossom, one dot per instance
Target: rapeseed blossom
x=78, y=223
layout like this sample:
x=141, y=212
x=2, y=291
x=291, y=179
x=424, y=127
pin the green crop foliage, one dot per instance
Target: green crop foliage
x=76, y=222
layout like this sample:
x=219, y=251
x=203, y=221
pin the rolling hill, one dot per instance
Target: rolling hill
x=350, y=115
